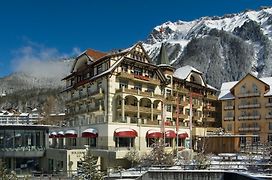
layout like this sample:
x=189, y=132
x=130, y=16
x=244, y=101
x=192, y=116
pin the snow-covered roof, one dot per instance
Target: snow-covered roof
x=211, y=87
x=225, y=90
x=183, y=72
x=268, y=80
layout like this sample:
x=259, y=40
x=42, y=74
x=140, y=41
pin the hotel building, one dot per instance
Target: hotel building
x=121, y=100
x=247, y=109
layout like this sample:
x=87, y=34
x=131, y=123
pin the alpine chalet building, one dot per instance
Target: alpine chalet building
x=119, y=101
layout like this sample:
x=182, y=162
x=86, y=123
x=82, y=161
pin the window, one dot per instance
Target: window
x=187, y=112
x=269, y=100
x=150, y=89
x=124, y=142
x=99, y=69
x=123, y=84
x=229, y=127
x=254, y=88
x=125, y=68
x=243, y=89
x=255, y=113
x=91, y=142
x=168, y=92
x=229, y=114
x=192, y=78
x=256, y=139
x=270, y=126
x=168, y=108
x=99, y=85
x=138, y=87
x=229, y=103
x=242, y=140
x=269, y=139
x=138, y=71
x=254, y=101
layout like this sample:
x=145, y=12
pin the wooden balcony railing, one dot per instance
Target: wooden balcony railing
x=249, y=94
x=245, y=106
x=249, y=128
x=228, y=118
x=211, y=97
x=138, y=92
x=141, y=78
x=249, y=117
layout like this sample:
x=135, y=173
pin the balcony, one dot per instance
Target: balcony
x=171, y=99
x=257, y=117
x=211, y=97
x=245, y=106
x=228, y=107
x=181, y=116
x=98, y=94
x=209, y=108
x=183, y=103
x=138, y=92
x=268, y=116
x=209, y=119
x=249, y=128
x=229, y=118
x=139, y=78
x=182, y=90
x=249, y=94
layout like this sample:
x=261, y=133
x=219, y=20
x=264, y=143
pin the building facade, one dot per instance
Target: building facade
x=121, y=100
x=247, y=109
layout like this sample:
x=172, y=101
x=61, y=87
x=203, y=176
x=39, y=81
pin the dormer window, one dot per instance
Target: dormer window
x=192, y=79
x=99, y=69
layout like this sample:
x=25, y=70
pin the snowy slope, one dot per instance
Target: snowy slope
x=252, y=27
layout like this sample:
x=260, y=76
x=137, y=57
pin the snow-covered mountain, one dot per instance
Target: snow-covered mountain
x=38, y=75
x=224, y=48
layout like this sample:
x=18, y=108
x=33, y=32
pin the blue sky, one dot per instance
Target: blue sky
x=41, y=30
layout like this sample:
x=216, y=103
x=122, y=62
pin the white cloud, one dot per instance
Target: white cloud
x=40, y=61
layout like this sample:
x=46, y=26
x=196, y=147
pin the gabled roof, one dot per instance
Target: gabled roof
x=225, y=90
x=125, y=53
x=95, y=55
x=227, y=87
x=183, y=72
x=248, y=74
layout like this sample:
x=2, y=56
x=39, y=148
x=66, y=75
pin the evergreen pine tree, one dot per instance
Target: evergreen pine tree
x=89, y=168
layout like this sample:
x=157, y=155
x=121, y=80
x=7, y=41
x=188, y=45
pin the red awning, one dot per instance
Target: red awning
x=70, y=134
x=90, y=133
x=170, y=134
x=52, y=135
x=183, y=135
x=125, y=132
x=60, y=134
x=154, y=134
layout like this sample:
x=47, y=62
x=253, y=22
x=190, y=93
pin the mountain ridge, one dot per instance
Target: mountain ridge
x=186, y=40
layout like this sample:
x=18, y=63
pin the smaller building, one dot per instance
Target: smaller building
x=22, y=146
x=247, y=109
